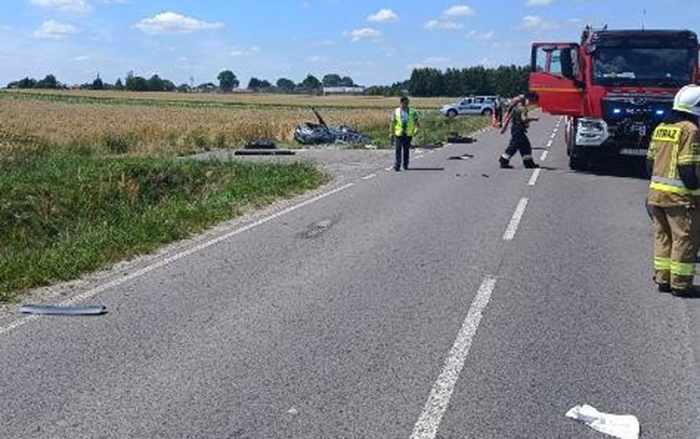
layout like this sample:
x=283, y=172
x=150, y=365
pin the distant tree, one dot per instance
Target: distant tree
x=207, y=87
x=155, y=83
x=97, y=84
x=184, y=88
x=136, y=83
x=265, y=84
x=285, y=85
x=48, y=82
x=169, y=85
x=347, y=81
x=119, y=85
x=228, y=81
x=26, y=83
x=257, y=84
x=332, y=80
x=311, y=83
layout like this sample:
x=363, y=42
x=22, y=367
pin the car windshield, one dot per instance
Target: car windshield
x=643, y=66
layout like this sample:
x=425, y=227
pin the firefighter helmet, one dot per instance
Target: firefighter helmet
x=688, y=100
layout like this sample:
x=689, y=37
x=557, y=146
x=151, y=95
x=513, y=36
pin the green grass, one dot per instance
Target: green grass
x=62, y=215
x=434, y=128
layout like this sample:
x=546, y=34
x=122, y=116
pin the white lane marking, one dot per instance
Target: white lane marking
x=544, y=156
x=369, y=177
x=554, y=135
x=429, y=421
x=515, y=221
x=535, y=176
x=176, y=257
x=550, y=143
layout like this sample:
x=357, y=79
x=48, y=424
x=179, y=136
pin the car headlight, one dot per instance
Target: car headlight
x=591, y=132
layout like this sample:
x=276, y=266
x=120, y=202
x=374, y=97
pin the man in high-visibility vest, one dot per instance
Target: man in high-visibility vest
x=674, y=194
x=404, y=127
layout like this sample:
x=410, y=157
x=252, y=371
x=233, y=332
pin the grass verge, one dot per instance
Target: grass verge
x=64, y=214
x=435, y=128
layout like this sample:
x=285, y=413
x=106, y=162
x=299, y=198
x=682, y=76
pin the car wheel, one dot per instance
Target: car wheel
x=452, y=113
x=487, y=112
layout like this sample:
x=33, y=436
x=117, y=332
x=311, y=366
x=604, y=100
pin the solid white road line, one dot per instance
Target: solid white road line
x=369, y=177
x=544, y=156
x=535, y=176
x=176, y=257
x=515, y=221
x=429, y=420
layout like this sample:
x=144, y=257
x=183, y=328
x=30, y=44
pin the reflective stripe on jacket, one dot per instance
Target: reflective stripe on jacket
x=673, y=145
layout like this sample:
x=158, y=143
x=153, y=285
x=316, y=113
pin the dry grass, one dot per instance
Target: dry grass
x=145, y=130
x=253, y=99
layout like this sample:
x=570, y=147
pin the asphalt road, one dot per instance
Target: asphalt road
x=456, y=300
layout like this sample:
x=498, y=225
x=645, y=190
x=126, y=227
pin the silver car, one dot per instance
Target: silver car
x=473, y=105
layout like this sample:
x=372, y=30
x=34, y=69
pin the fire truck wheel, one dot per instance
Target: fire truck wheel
x=577, y=161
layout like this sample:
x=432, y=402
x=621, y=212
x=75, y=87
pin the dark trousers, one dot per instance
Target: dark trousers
x=403, y=151
x=519, y=143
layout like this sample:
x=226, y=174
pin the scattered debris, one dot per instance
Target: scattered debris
x=292, y=411
x=253, y=152
x=261, y=144
x=63, y=310
x=486, y=175
x=309, y=133
x=456, y=138
x=462, y=157
x=621, y=427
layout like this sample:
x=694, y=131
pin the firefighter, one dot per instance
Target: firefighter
x=518, y=117
x=674, y=194
x=498, y=113
x=404, y=127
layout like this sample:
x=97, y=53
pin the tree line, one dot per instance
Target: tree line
x=424, y=82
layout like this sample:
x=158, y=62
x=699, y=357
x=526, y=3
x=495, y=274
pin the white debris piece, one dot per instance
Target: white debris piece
x=619, y=426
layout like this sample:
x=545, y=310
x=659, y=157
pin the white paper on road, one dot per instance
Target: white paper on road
x=619, y=426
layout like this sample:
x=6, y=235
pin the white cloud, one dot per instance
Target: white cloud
x=384, y=16
x=82, y=58
x=4, y=28
x=323, y=43
x=536, y=3
x=305, y=5
x=318, y=58
x=55, y=30
x=64, y=5
x=483, y=36
x=245, y=52
x=366, y=33
x=459, y=11
x=535, y=23
x=173, y=23
x=443, y=24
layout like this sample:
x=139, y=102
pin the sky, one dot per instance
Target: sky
x=374, y=42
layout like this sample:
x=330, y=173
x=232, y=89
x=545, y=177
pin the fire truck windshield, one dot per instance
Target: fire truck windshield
x=620, y=66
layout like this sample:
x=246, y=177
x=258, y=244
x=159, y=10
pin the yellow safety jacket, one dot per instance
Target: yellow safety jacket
x=409, y=129
x=673, y=145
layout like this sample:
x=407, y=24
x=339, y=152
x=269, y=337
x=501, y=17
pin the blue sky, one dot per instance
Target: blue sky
x=375, y=42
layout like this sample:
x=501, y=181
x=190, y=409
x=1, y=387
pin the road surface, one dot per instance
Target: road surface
x=456, y=300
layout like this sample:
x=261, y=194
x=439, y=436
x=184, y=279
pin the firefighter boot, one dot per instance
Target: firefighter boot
x=530, y=164
x=505, y=162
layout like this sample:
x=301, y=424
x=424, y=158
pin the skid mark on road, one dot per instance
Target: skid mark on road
x=434, y=410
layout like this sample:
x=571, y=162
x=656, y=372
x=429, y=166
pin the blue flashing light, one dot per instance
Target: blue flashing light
x=617, y=111
x=660, y=112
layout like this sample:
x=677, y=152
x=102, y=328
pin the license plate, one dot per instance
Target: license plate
x=640, y=129
x=634, y=152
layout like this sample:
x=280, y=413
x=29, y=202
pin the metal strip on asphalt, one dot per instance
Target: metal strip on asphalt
x=429, y=421
x=176, y=257
x=515, y=221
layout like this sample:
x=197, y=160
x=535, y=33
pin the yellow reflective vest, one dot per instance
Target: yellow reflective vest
x=673, y=145
x=409, y=129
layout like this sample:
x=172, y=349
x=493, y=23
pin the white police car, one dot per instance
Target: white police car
x=473, y=105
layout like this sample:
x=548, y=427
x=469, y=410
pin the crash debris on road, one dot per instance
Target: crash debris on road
x=619, y=426
x=320, y=133
x=63, y=310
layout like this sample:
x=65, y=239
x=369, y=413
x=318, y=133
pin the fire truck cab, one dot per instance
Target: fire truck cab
x=614, y=87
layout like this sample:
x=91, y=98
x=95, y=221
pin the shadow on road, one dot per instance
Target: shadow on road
x=425, y=169
x=618, y=168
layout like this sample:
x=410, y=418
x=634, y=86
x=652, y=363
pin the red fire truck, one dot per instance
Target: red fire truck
x=614, y=87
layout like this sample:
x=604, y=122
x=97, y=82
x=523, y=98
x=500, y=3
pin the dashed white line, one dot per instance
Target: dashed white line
x=176, y=257
x=550, y=143
x=554, y=136
x=431, y=417
x=515, y=221
x=544, y=156
x=369, y=177
x=389, y=168
x=535, y=176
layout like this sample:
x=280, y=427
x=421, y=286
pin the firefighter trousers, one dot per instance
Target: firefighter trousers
x=675, y=245
x=519, y=142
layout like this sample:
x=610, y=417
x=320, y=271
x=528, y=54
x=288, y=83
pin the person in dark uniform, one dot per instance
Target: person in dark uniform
x=519, y=142
x=498, y=112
